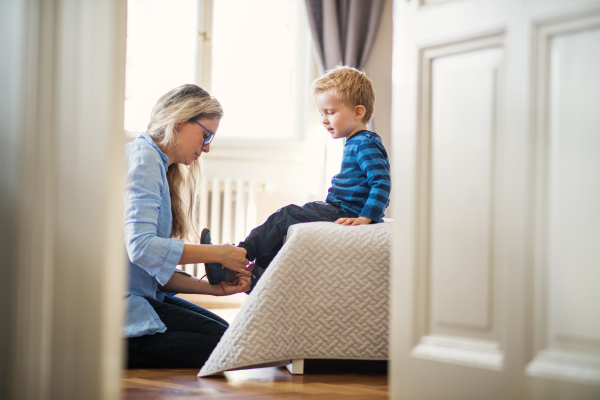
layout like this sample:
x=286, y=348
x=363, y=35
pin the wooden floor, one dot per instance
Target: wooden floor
x=322, y=380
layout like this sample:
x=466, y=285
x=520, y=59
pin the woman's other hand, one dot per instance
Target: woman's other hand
x=240, y=284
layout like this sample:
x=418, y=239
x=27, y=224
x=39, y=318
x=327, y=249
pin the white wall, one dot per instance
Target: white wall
x=63, y=273
x=11, y=13
x=379, y=69
x=292, y=168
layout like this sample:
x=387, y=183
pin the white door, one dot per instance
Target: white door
x=496, y=166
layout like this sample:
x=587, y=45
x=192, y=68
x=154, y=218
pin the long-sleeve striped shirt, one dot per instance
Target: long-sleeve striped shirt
x=364, y=183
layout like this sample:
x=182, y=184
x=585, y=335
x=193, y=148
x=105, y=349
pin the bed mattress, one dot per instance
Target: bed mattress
x=324, y=296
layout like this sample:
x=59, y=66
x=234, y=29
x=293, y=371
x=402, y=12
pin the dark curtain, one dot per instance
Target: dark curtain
x=343, y=31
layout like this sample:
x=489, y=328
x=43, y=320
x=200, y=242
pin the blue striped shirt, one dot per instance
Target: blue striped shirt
x=364, y=183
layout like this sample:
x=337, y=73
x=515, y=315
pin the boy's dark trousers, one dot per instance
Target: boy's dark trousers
x=266, y=240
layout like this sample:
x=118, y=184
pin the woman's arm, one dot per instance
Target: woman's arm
x=181, y=283
x=145, y=185
x=231, y=257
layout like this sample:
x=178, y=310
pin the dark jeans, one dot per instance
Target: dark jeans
x=192, y=334
x=266, y=240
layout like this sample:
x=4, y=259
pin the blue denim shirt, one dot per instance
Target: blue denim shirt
x=153, y=254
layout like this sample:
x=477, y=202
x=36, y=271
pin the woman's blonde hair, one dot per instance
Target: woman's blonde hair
x=177, y=106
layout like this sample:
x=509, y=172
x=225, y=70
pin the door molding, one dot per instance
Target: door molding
x=552, y=355
x=484, y=348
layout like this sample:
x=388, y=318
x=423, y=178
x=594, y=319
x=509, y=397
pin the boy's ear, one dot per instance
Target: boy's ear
x=359, y=112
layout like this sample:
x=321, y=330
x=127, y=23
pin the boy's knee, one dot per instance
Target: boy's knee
x=290, y=208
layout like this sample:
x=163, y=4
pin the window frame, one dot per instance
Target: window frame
x=232, y=147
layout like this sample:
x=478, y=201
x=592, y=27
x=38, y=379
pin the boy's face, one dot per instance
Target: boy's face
x=340, y=121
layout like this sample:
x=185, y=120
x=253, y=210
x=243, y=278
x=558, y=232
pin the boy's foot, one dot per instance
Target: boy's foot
x=215, y=271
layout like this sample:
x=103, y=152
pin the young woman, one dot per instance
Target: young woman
x=164, y=331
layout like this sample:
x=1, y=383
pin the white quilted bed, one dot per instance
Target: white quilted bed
x=325, y=296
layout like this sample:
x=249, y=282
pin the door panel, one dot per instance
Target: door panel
x=461, y=246
x=567, y=258
x=459, y=315
x=496, y=143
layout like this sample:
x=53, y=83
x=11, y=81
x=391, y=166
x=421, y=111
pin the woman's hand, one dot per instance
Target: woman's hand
x=233, y=258
x=238, y=285
x=183, y=283
x=241, y=284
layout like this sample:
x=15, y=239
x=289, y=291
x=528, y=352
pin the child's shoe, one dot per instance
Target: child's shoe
x=215, y=271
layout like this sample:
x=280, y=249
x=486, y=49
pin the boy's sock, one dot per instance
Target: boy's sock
x=215, y=271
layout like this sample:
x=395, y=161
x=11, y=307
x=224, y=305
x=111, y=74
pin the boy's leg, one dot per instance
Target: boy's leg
x=264, y=241
x=264, y=261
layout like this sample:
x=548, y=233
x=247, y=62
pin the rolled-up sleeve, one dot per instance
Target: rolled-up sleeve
x=157, y=255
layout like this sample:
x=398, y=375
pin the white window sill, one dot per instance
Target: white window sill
x=258, y=150
x=282, y=150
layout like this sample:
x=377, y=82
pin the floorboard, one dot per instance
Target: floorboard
x=324, y=379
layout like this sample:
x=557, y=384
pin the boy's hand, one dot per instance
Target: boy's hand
x=354, y=221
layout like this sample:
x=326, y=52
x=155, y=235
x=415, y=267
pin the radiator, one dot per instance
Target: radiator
x=228, y=208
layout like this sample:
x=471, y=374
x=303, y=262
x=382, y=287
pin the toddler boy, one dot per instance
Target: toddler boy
x=358, y=195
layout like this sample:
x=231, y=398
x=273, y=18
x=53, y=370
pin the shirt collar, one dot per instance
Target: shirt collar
x=357, y=134
x=163, y=156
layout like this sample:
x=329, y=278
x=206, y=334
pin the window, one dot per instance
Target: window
x=261, y=54
x=161, y=54
x=260, y=62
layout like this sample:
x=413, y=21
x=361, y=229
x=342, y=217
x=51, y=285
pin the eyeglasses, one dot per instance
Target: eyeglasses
x=207, y=139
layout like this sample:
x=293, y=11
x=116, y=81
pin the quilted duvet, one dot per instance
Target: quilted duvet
x=324, y=296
